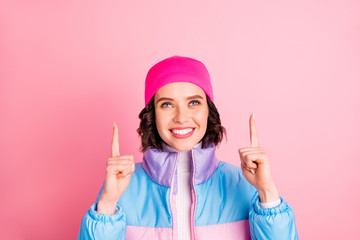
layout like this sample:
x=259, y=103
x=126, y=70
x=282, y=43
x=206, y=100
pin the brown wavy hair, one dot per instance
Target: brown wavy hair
x=151, y=138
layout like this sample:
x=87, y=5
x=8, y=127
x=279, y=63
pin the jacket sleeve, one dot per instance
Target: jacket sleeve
x=272, y=223
x=102, y=226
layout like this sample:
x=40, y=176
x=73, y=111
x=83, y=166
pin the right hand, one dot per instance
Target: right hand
x=118, y=174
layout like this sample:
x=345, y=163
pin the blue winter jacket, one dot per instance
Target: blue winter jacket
x=223, y=206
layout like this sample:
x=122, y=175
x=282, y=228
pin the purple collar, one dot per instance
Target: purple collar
x=159, y=165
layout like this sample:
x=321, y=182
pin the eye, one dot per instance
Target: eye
x=194, y=102
x=166, y=104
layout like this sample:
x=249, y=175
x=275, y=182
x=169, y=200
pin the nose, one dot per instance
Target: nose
x=181, y=115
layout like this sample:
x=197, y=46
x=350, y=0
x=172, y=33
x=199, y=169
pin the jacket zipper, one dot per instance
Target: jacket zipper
x=172, y=202
x=193, y=196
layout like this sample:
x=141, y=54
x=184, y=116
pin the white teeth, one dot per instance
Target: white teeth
x=182, y=131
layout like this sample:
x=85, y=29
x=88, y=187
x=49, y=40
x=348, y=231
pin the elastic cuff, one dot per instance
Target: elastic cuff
x=118, y=215
x=282, y=207
x=270, y=204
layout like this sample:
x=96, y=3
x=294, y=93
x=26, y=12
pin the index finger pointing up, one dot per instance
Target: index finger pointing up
x=253, y=134
x=115, y=142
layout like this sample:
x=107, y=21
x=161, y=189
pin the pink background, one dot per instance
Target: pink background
x=68, y=69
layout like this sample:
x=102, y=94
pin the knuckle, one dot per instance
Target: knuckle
x=242, y=150
x=109, y=168
x=249, y=162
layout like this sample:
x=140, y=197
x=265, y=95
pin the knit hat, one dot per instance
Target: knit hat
x=177, y=69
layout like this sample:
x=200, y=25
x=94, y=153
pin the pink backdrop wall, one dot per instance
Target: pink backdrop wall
x=68, y=69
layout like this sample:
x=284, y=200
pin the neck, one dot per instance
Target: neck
x=168, y=148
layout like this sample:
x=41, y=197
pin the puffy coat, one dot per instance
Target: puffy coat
x=223, y=206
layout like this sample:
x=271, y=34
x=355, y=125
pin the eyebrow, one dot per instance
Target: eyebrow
x=170, y=99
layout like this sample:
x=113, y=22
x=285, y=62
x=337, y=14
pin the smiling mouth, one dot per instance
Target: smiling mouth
x=182, y=132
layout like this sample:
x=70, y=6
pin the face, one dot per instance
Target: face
x=181, y=114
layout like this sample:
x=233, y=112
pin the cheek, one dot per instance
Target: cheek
x=161, y=120
x=158, y=121
x=202, y=118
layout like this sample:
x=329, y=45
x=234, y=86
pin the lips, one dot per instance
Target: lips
x=182, y=132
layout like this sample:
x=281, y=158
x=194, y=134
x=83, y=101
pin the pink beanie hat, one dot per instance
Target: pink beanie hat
x=177, y=69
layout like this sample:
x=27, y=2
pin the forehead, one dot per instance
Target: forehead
x=179, y=90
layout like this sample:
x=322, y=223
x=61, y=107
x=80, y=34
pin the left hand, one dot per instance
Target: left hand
x=256, y=168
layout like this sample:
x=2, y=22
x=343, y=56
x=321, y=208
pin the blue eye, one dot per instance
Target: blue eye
x=166, y=104
x=195, y=102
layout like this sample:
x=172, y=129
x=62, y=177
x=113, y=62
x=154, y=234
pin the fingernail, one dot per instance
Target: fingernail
x=254, y=116
x=252, y=171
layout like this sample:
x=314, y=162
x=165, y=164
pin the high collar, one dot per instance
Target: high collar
x=184, y=164
x=161, y=165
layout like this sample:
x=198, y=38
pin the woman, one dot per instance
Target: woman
x=181, y=190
